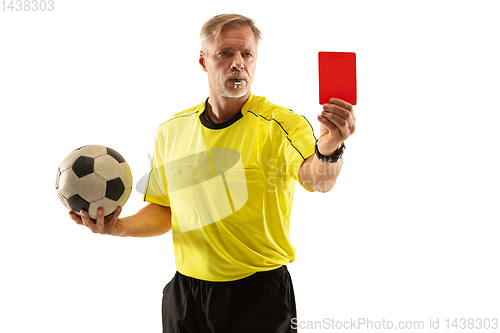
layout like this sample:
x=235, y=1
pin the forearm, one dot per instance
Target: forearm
x=152, y=220
x=318, y=175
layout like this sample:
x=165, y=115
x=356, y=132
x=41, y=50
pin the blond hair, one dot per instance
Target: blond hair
x=214, y=26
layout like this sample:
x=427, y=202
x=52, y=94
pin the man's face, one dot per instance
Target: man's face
x=230, y=61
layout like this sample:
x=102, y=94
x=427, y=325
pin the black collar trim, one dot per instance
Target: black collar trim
x=210, y=124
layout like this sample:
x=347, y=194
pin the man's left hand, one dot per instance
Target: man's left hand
x=337, y=124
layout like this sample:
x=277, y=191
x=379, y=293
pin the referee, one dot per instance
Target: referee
x=222, y=179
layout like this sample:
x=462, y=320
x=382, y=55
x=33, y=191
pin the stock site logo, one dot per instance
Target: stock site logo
x=203, y=188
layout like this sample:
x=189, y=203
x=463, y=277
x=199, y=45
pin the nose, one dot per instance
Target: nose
x=237, y=64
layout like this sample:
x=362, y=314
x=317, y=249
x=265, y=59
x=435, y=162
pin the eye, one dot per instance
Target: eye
x=223, y=54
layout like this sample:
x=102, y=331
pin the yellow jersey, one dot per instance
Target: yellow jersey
x=230, y=187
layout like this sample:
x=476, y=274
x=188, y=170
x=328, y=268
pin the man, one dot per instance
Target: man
x=222, y=179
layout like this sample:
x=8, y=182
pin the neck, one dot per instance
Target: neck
x=221, y=109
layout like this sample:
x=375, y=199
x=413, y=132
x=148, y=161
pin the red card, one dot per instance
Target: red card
x=337, y=76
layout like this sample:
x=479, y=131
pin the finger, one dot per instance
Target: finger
x=339, y=111
x=99, y=223
x=75, y=218
x=343, y=104
x=87, y=221
x=116, y=213
x=342, y=118
x=110, y=224
x=337, y=120
x=345, y=128
x=330, y=126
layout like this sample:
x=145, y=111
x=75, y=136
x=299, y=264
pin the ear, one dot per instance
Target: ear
x=202, y=61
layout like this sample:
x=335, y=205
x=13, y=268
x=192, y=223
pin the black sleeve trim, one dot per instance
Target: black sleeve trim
x=277, y=122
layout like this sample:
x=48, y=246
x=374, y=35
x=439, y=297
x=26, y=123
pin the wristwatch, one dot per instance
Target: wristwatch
x=337, y=154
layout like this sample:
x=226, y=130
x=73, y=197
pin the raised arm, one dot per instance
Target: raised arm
x=337, y=123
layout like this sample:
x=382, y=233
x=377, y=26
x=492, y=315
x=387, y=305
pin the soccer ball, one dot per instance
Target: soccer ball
x=93, y=177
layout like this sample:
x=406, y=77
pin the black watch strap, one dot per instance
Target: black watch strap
x=337, y=154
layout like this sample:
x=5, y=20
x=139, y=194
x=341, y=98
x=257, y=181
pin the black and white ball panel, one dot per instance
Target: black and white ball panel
x=92, y=177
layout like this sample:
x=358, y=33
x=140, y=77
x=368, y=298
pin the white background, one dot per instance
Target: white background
x=410, y=231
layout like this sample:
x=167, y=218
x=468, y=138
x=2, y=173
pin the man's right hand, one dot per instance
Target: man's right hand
x=105, y=226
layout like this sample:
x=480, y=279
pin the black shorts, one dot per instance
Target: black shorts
x=263, y=302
